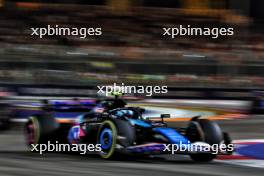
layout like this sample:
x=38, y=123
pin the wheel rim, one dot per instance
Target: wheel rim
x=106, y=139
x=32, y=131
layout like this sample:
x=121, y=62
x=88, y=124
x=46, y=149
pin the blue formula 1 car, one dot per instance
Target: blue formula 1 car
x=121, y=129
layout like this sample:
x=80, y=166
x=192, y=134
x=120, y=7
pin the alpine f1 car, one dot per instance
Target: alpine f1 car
x=121, y=129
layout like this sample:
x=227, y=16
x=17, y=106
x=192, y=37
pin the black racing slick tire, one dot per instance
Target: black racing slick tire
x=107, y=138
x=211, y=134
x=39, y=129
x=117, y=132
x=126, y=132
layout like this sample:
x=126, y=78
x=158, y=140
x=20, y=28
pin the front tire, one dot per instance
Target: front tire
x=212, y=134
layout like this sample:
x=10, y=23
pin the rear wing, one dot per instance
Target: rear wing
x=69, y=104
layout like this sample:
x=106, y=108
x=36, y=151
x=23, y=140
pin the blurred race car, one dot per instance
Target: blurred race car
x=121, y=129
x=257, y=106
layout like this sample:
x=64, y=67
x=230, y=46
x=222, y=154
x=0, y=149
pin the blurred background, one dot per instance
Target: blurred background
x=132, y=49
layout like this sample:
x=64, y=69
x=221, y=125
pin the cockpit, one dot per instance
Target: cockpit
x=130, y=113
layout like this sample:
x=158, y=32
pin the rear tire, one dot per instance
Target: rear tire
x=40, y=129
x=126, y=132
x=107, y=137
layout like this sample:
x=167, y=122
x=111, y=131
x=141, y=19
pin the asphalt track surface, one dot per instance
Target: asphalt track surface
x=15, y=160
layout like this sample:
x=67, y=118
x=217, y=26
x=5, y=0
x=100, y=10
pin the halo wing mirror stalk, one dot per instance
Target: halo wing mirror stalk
x=162, y=116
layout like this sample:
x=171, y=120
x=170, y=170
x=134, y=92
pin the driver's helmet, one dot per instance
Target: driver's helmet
x=125, y=113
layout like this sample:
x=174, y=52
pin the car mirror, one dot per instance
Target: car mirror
x=165, y=116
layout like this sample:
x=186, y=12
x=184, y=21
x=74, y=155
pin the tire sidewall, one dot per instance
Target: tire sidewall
x=111, y=125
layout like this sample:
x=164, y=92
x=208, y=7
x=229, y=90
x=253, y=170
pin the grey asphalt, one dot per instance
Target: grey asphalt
x=16, y=160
